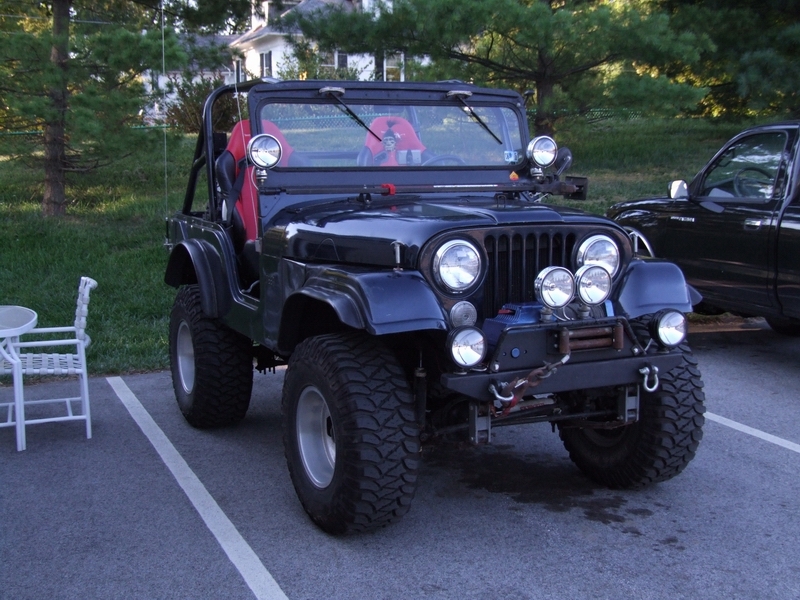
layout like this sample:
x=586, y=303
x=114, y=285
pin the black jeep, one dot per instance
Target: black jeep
x=391, y=244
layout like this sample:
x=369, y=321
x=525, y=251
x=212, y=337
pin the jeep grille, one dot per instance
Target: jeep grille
x=515, y=260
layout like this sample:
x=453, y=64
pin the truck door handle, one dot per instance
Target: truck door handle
x=753, y=224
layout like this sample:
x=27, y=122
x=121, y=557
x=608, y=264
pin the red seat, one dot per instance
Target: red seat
x=408, y=149
x=247, y=202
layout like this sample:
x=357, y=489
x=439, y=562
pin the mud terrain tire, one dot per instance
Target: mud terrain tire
x=351, y=437
x=212, y=365
x=655, y=448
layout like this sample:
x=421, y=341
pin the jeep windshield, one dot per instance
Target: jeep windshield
x=336, y=132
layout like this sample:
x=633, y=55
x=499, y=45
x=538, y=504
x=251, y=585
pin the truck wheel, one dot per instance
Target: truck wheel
x=655, y=448
x=212, y=365
x=351, y=437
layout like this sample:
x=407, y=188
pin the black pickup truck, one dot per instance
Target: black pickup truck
x=735, y=229
x=391, y=245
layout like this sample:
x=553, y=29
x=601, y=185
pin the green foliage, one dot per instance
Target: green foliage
x=574, y=54
x=751, y=68
x=185, y=109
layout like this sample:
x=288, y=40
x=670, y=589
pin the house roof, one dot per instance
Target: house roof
x=306, y=7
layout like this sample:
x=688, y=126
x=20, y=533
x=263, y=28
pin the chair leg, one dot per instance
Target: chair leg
x=19, y=406
x=84, y=381
x=85, y=401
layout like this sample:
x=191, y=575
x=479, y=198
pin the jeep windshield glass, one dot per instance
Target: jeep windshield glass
x=321, y=135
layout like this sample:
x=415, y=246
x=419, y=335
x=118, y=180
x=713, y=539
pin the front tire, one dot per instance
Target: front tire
x=212, y=365
x=351, y=437
x=655, y=448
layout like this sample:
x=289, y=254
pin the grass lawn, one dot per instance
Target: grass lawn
x=114, y=229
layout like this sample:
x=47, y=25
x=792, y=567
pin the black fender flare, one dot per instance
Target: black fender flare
x=380, y=303
x=651, y=285
x=196, y=261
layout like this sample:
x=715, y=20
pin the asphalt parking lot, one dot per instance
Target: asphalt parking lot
x=151, y=508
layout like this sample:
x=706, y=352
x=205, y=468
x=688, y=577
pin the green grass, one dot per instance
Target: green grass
x=113, y=232
x=627, y=159
x=114, y=229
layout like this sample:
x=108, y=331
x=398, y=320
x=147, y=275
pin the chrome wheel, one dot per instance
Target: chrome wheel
x=315, y=436
x=185, y=356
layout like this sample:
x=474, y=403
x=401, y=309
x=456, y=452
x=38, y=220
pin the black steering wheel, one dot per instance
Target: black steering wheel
x=442, y=158
x=741, y=182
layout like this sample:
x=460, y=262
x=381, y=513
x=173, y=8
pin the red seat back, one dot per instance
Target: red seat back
x=247, y=203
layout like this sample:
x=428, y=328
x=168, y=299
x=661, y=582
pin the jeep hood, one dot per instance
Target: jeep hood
x=355, y=233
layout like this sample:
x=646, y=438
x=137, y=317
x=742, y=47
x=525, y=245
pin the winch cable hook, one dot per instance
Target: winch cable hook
x=513, y=392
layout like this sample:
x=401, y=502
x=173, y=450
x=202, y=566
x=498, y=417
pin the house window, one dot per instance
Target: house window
x=333, y=60
x=266, y=64
x=237, y=71
x=393, y=67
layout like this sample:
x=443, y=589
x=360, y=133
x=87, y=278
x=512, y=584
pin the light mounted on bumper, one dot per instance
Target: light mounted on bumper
x=669, y=328
x=554, y=287
x=467, y=346
x=593, y=284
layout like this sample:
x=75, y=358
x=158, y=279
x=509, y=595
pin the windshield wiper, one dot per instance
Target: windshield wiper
x=335, y=92
x=460, y=95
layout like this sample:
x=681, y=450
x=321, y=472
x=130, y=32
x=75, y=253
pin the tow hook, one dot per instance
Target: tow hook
x=646, y=373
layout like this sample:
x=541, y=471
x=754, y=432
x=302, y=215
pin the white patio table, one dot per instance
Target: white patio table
x=14, y=321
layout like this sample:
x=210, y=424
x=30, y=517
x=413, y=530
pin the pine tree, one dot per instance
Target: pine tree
x=572, y=54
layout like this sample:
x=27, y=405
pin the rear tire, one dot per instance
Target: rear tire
x=351, y=436
x=212, y=365
x=655, y=448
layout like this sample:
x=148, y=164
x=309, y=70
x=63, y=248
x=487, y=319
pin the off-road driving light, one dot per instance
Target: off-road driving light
x=467, y=346
x=457, y=265
x=554, y=287
x=463, y=313
x=542, y=151
x=593, y=284
x=599, y=250
x=264, y=151
x=669, y=327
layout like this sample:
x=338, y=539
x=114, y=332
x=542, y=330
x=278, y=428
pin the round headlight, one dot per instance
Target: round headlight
x=669, y=327
x=457, y=265
x=599, y=250
x=593, y=284
x=542, y=151
x=264, y=151
x=467, y=346
x=554, y=287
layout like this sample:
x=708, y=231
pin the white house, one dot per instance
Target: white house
x=265, y=48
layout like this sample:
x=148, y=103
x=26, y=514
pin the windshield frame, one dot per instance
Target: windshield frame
x=399, y=97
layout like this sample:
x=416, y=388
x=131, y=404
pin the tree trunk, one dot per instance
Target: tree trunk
x=54, y=200
x=543, y=122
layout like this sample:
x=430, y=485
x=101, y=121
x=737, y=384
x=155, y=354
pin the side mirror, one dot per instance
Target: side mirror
x=563, y=160
x=678, y=190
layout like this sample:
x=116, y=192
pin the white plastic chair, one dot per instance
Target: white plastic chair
x=57, y=364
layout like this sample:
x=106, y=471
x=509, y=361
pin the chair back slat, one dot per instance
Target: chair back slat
x=82, y=309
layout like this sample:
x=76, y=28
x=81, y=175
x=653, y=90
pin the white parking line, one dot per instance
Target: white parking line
x=238, y=550
x=754, y=432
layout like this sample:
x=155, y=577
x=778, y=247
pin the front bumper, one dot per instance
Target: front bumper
x=601, y=353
